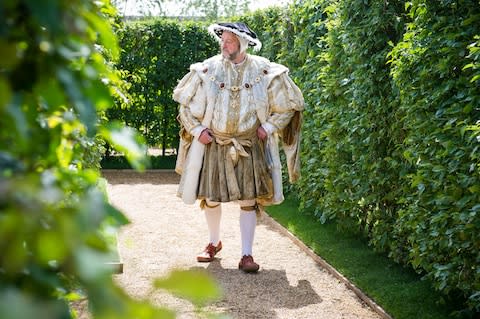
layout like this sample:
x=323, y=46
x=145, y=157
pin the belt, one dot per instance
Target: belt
x=238, y=142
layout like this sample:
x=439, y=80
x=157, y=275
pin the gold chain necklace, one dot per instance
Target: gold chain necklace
x=235, y=88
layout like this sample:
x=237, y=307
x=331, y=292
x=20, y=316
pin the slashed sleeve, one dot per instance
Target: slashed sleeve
x=190, y=94
x=284, y=99
x=286, y=106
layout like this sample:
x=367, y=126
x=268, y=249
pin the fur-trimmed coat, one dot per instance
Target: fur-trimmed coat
x=232, y=100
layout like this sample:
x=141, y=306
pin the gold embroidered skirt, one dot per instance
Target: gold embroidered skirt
x=230, y=174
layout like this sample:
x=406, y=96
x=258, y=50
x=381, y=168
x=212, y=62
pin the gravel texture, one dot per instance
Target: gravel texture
x=165, y=234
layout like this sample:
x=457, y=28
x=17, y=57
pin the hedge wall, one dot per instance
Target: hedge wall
x=155, y=55
x=392, y=126
x=435, y=68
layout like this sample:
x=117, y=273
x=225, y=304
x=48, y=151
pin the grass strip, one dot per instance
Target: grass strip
x=400, y=291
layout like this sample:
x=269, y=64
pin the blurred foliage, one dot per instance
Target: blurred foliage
x=56, y=83
x=180, y=283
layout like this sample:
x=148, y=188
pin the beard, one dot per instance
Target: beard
x=231, y=56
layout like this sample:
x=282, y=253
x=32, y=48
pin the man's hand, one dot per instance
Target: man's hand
x=261, y=133
x=205, y=137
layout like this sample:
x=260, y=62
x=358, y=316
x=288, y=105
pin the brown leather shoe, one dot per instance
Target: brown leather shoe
x=209, y=253
x=247, y=264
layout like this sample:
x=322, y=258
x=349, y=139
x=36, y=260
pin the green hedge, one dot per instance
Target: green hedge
x=391, y=130
x=434, y=71
x=154, y=162
x=155, y=55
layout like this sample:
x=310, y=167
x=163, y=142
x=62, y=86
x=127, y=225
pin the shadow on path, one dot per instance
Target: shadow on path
x=262, y=292
x=165, y=234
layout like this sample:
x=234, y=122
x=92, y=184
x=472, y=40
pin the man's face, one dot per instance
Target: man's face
x=230, y=46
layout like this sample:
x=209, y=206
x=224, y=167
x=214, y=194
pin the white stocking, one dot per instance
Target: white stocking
x=213, y=216
x=248, y=221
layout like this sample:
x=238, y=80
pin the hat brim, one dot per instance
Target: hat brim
x=216, y=30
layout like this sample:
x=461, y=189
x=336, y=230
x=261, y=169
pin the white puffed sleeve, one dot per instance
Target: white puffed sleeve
x=284, y=99
x=191, y=96
x=286, y=104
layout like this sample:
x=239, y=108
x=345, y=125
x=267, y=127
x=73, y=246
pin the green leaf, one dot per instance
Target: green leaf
x=51, y=95
x=5, y=93
x=46, y=13
x=50, y=247
x=119, y=218
x=105, y=32
x=15, y=304
x=82, y=104
x=475, y=78
x=8, y=55
x=194, y=285
x=474, y=189
x=128, y=141
x=19, y=119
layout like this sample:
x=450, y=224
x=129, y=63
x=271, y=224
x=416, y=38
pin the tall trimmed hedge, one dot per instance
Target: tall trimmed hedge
x=358, y=115
x=391, y=129
x=435, y=69
x=155, y=55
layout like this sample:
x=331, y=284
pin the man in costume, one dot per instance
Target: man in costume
x=234, y=108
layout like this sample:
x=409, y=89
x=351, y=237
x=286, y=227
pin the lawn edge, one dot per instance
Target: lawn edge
x=265, y=218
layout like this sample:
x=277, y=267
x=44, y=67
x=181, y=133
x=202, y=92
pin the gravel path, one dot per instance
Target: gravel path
x=166, y=234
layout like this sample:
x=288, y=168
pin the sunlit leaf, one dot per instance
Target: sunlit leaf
x=65, y=152
x=195, y=285
x=5, y=92
x=8, y=55
x=50, y=247
x=127, y=141
x=145, y=311
x=107, y=37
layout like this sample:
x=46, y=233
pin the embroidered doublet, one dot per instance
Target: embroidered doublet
x=233, y=101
